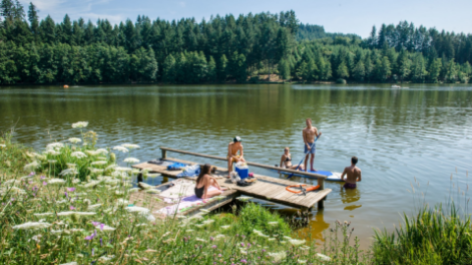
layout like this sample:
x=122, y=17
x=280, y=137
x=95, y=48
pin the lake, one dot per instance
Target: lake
x=421, y=134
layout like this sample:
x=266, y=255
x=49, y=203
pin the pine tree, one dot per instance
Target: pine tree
x=451, y=75
x=435, y=70
x=404, y=65
x=7, y=10
x=222, y=68
x=359, y=71
x=284, y=69
x=342, y=71
x=419, y=72
x=169, y=69
x=33, y=19
x=212, y=71
x=385, y=70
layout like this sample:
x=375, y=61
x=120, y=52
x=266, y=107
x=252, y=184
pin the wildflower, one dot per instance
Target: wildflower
x=55, y=146
x=323, y=257
x=69, y=172
x=278, y=256
x=52, y=161
x=94, y=206
x=56, y=181
x=80, y=124
x=121, y=149
x=130, y=146
x=123, y=169
x=224, y=227
x=96, y=170
x=71, y=207
x=78, y=154
x=32, y=166
x=106, y=258
x=243, y=261
x=133, y=190
x=273, y=223
x=119, y=192
x=32, y=225
x=103, y=227
x=43, y=214
x=219, y=236
x=271, y=239
x=45, y=183
x=75, y=140
x=200, y=239
x=301, y=261
x=131, y=160
x=121, y=202
x=78, y=213
x=37, y=238
x=295, y=242
x=209, y=221
x=99, y=163
x=71, y=165
x=243, y=251
x=137, y=209
x=52, y=152
x=94, y=234
x=70, y=189
x=3, y=145
x=214, y=246
x=102, y=151
x=110, y=167
x=305, y=248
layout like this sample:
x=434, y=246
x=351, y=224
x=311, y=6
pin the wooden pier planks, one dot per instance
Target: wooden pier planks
x=266, y=188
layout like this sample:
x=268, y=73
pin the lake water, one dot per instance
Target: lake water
x=424, y=132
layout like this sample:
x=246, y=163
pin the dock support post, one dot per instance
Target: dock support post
x=164, y=153
x=321, y=202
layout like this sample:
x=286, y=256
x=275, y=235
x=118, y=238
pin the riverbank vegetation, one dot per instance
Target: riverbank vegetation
x=51, y=213
x=69, y=204
x=221, y=49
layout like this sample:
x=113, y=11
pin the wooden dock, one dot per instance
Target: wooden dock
x=266, y=188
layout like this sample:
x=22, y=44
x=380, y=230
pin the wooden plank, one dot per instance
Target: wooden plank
x=314, y=175
x=266, y=188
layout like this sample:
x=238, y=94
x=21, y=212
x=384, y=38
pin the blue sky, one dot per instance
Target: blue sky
x=347, y=16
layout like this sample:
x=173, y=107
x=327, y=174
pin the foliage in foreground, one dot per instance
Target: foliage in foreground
x=49, y=216
x=433, y=236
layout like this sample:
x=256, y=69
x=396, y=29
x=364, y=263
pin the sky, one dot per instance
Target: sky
x=345, y=16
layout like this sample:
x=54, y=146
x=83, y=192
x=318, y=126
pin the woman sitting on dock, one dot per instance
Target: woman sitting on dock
x=286, y=161
x=204, y=182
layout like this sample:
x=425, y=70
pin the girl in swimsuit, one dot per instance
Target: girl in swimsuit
x=286, y=160
x=204, y=181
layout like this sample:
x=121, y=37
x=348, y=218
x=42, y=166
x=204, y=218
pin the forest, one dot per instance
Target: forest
x=241, y=49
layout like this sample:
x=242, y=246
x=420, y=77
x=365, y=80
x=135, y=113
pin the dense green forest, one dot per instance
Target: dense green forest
x=222, y=49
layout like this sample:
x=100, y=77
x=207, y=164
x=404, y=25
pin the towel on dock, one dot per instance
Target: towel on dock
x=184, y=205
x=190, y=171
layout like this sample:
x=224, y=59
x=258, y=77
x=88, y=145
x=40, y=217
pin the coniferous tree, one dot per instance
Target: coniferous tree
x=435, y=70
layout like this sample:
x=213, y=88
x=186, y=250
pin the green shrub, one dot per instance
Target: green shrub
x=433, y=236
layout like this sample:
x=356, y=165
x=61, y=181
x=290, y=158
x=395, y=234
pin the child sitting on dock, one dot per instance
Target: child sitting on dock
x=233, y=149
x=204, y=182
x=353, y=174
x=286, y=160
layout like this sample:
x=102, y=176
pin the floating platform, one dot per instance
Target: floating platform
x=266, y=188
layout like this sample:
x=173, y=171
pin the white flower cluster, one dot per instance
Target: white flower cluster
x=80, y=124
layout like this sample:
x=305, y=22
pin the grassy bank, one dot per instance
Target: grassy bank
x=68, y=204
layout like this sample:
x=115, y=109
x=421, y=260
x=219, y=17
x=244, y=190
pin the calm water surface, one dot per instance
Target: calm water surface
x=424, y=132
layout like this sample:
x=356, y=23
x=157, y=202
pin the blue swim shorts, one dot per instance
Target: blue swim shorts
x=312, y=150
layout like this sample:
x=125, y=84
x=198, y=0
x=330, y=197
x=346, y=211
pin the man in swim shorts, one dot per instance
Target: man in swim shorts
x=309, y=135
x=233, y=156
x=353, y=174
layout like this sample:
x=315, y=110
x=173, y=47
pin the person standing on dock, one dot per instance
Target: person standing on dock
x=353, y=174
x=310, y=133
x=233, y=156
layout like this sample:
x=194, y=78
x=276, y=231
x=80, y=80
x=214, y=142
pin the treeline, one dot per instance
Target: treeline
x=222, y=49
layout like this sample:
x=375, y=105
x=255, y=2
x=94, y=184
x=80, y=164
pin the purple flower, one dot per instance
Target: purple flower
x=243, y=261
x=42, y=177
x=211, y=238
x=101, y=227
x=71, y=189
x=101, y=242
x=263, y=250
x=91, y=236
x=32, y=173
x=44, y=183
x=242, y=244
x=95, y=223
x=219, y=255
x=65, y=193
x=72, y=207
x=214, y=246
x=248, y=245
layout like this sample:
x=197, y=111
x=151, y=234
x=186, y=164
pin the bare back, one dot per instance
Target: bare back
x=353, y=174
x=234, y=148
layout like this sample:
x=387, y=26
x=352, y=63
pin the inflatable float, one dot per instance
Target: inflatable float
x=331, y=176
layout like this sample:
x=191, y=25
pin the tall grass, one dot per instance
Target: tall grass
x=438, y=235
x=48, y=217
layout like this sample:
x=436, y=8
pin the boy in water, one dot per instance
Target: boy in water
x=353, y=174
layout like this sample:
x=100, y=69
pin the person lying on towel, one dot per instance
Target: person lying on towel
x=204, y=182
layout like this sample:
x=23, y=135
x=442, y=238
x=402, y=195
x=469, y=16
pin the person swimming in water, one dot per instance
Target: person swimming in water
x=353, y=174
x=204, y=182
x=286, y=160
